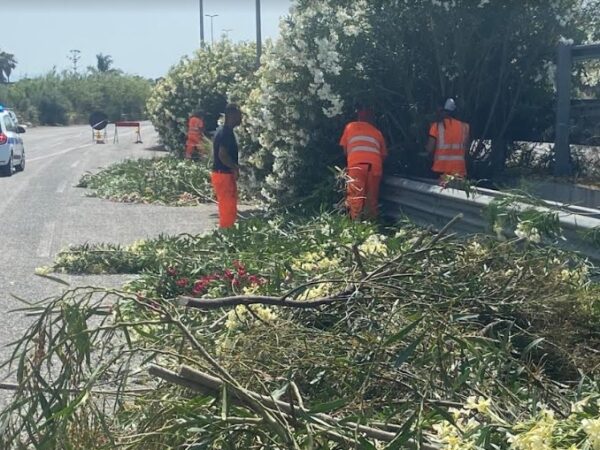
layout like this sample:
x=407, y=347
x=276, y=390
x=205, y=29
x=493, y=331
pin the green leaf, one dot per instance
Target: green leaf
x=53, y=278
x=328, y=406
x=72, y=406
x=408, y=351
x=402, y=333
x=531, y=346
x=403, y=435
x=224, y=403
x=445, y=414
x=278, y=393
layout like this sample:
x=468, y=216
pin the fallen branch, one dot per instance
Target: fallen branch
x=16, y=387
x=417, y=243
x=210, y=385
x=216, y=303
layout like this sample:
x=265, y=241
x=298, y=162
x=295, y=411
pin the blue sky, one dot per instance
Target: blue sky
x=144, y=37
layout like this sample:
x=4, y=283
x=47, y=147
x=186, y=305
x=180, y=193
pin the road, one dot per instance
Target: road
x=42, y=212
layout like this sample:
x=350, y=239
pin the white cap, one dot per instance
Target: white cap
x=450, y=105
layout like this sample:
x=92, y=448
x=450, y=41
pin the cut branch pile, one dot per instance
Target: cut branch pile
x=409, y=338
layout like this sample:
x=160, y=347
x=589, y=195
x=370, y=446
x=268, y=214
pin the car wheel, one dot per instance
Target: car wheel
x=7, y=169
x=21, y=166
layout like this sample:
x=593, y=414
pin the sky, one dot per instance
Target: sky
x=144, y=37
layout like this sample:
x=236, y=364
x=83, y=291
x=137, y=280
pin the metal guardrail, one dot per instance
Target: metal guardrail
x=429, y=204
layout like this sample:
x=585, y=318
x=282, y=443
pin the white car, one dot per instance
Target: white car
x=12, y=151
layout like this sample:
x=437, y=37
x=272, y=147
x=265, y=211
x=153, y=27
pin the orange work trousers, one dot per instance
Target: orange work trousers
x=363, y=190
x=190, y=147
x=226, y=191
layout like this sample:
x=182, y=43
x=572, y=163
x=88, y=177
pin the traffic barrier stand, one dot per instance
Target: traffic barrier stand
x=138, y=134
x=99, y=136
x=98, y=122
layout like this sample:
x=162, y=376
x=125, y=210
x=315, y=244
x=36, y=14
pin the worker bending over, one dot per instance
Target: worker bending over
x=365, y=150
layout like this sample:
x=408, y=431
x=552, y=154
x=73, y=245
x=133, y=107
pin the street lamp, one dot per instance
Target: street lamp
x=201, y=7
x=212, y=35
x=258, y=34
x=226, y=32
x=75, y=57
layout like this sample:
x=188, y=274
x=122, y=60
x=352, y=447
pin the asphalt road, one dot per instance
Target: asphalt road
x=42, y=212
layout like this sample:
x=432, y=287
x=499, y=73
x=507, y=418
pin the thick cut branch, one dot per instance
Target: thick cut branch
x=209, y=304
x=210, y=385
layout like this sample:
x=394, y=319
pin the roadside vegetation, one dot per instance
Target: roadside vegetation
x=368, y=338
x=62, y=98
x=163, y=180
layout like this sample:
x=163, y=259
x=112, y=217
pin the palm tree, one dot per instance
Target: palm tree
x=103, y=62
x=7, y=64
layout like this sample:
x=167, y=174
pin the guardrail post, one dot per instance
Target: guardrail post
x=562, y=149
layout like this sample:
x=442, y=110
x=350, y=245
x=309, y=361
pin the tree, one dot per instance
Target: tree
x=103, y=63
x=7, y=65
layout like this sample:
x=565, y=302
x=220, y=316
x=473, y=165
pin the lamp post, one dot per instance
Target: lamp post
x=75, y=57
x=226, y=32
x=201, y=7
x=258, y=34
x=212, y=35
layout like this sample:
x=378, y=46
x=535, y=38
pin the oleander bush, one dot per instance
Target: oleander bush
x=200, y=82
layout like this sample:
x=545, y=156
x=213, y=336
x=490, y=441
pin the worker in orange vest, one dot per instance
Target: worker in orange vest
x=448, y=143
x=365, y=149
x=194, y=145
x=225, y=166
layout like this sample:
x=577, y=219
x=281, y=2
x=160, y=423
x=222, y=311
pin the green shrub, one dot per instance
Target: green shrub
x=64, y=98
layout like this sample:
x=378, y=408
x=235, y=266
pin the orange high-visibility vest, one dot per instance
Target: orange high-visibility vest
x=195, y=130
x=363, y=143
x=451, y=137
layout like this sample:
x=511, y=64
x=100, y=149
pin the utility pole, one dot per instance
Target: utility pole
x=258, y=34
x=75, y=57
x=201, y=7
x=212, y=35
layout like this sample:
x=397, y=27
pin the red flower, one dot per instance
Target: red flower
x=228, y=274
x=171, y=271
x=241, y=269
x=253, y=279
x=199, y=287
x=236, y=282
x=182, y=282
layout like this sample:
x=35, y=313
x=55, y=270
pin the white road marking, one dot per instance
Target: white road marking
x=62, y=186
x=62, y=152
x=45, y=246
x=75, y=164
